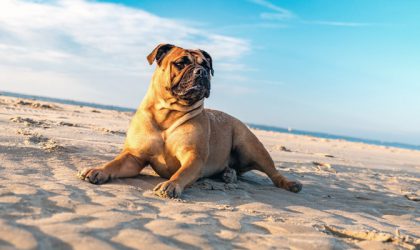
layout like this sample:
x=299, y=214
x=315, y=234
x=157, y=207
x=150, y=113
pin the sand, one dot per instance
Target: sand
x=355, y=195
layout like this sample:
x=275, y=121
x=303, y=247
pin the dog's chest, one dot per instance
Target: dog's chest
x=164, y=163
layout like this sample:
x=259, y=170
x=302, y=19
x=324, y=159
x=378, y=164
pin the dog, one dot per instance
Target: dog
x=181, y=140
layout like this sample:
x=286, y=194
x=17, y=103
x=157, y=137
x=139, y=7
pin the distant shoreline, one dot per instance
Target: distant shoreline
x=334, y=137
x=64, y=101
x=252, y=125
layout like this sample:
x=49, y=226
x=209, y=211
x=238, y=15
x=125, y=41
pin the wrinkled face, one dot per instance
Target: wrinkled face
x=189, y=72
x=190, y=76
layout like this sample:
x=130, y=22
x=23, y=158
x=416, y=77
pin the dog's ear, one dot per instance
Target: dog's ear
x=208, y=57
x=159, y=53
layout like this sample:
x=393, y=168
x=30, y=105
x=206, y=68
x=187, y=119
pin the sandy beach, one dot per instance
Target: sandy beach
x=355, y=196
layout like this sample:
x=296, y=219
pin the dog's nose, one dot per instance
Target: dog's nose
x=200, y=72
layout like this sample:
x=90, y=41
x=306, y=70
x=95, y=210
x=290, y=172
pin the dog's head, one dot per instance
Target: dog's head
x=184, y=74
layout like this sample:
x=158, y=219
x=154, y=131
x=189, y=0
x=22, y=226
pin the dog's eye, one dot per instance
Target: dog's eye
x=179, y=65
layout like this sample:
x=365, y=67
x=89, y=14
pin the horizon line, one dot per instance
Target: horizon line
x=275, y=128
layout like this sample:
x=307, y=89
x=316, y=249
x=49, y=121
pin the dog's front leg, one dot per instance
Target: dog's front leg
x=187, y=174
x=124, y=165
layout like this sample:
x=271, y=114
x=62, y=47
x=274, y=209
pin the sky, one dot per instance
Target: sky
x=341, y=67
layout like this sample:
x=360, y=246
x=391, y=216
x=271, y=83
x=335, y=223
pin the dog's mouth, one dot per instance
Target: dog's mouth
x=191, y=88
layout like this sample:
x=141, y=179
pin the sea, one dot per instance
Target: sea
x=252, y=125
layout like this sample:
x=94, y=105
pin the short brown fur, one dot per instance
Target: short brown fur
x=205, y=144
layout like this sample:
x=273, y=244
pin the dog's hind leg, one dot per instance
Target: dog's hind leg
x=124, y=165
x=250, y=154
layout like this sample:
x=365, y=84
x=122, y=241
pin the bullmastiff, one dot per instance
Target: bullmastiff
x=180, y=139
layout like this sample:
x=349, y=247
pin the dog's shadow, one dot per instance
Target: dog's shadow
x=320, y=192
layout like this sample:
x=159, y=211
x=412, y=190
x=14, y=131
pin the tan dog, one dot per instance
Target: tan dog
x=173, y=133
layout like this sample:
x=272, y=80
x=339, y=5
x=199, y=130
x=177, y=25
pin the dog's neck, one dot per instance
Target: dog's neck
x=168, y=113
x=189, y=113
x=172, y=105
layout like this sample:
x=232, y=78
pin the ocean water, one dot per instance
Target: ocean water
x=256, y=126
x=331, y=136
x=64, y=101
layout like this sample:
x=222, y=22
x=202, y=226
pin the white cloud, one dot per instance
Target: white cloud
x=278, y=13
x=337, y=23
x=281, y=14
x=98, y=47
x=248, y=26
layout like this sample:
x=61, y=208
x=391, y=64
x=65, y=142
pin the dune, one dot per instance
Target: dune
x=355, y=196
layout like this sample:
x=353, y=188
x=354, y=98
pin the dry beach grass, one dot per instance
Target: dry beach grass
x=355, y=195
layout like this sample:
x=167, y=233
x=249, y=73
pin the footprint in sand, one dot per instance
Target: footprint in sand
x=34, y=104
x=45, y=143
x=404, y=241
x=29, y=122
x=322, y=166
x=281, y=148
x=68, y=124
x=413, y=196
x=110, y=131
x=324, y=155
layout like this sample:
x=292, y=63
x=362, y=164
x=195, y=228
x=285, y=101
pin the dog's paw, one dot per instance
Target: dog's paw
x=94, y=175
x=168, y=189
x=229, y=176
x=294, y=186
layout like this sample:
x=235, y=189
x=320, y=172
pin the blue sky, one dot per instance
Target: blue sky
x=341, y=67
